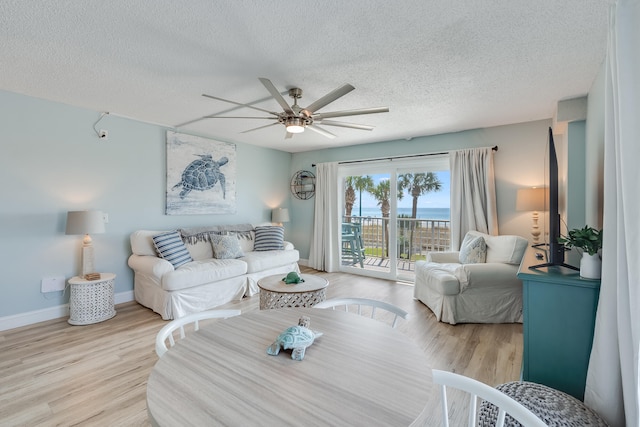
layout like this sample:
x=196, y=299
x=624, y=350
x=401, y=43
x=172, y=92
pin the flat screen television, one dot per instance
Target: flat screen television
x=555, y=255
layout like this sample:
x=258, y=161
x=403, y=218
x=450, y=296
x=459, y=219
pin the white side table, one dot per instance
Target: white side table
x=91, y=301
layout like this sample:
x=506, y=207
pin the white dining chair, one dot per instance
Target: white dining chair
x=166, y=333
x=476, y=389
x=365, y=302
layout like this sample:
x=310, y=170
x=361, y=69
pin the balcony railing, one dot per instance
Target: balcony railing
x=415, y=237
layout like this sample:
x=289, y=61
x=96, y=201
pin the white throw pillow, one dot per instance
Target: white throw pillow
x=226, y=247
x=507, y=249
x=473, y=250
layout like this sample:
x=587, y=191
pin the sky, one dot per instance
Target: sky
x=438, y=199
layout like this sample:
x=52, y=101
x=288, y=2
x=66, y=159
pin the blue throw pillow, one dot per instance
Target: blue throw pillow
x=269, y=238
x=171, y=247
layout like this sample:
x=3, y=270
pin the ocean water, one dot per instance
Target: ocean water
x=423, y=213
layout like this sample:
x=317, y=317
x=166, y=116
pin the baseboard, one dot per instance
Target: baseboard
x=36, y=316
x=304, y=262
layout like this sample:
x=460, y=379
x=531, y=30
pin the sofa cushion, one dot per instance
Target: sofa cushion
x=440, y=278
x=142, y=242
x=244, y=238
x=196, y=273
x=225, y=247
x=269, y=238
x=171, y=247
x=264, y=260
x=507, y=249
x=473, y=250
x=200, y=249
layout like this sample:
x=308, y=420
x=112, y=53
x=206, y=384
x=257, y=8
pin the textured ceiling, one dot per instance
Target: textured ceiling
x=439, y=65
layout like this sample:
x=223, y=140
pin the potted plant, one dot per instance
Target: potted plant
x=589, y=241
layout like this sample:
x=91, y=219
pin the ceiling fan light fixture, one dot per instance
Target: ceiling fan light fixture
x=295, y=125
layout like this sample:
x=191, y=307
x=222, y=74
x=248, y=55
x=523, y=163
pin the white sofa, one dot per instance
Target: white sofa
x=205, y=282
x=485, y=291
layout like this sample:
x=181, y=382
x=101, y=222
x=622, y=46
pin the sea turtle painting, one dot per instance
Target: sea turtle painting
x=295, y=338
x=202, y=174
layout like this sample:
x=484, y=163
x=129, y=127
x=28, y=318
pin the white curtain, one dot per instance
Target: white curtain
x=325, y=245
x=473, y=193
x=613, y=383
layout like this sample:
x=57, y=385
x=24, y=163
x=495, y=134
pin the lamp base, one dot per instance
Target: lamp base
x=92, y=276
x=87, y=260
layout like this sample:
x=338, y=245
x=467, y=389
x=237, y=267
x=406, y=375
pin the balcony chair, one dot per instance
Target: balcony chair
x=352, y=245
x=477, y=284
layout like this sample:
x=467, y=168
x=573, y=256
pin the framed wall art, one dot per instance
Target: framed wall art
x=201, y=175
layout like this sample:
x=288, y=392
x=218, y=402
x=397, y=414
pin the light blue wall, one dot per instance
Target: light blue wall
x=53, y=162
x=594, y=161
x=519, y=162
x=576, y=152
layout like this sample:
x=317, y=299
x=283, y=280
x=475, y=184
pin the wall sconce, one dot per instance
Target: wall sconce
x=86, y=222
x=280, y=215
x=531, y=199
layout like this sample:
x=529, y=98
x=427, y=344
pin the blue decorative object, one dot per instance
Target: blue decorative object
x=293, y=278
x=295, y=338
x=202, y=175
x=269, y=238
x=171, y=247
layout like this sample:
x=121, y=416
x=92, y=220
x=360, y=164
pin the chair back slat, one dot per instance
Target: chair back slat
x=364, y=302
x=477, y=389
x=166, y=333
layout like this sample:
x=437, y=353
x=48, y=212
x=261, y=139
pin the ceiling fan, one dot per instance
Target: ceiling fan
x=296, y=119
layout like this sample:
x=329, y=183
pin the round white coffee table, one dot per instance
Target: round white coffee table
x=275, y=293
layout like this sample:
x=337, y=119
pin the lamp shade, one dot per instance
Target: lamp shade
x=530, y=199
x=280, y=215
x=85, y=222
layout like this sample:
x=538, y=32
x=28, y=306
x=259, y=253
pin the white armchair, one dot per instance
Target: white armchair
x=477, y=284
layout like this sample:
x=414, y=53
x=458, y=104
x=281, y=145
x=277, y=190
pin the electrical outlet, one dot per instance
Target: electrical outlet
x=53, y=284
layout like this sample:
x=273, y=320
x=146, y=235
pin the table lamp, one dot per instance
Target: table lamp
x=86, y=222
x=280, y=215
x=531, y=199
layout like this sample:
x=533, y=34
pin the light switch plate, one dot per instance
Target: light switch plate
x=53, y=284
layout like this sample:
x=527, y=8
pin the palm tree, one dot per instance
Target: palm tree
x=381, y=193
x=417, y=185
x=360, y=183
x=349, y=197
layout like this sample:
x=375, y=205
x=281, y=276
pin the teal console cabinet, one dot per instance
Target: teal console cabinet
x=559, y=310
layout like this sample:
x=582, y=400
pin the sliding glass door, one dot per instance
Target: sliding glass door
x=392, y=213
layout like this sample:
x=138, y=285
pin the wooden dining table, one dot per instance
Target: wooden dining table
x=360, y=372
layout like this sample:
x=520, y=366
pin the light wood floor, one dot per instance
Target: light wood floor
x=52, y=373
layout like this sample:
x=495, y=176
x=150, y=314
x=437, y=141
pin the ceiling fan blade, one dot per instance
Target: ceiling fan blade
x=345, y=125
x=238, y=103
x=261, y=127
x=329, y=98
x=374, y=110
x=276, y=95
x=216, y=116
x=320, y=131
x=189, y=122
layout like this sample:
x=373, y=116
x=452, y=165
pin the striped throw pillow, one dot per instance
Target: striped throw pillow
x=269, y=238
x=171, y=247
